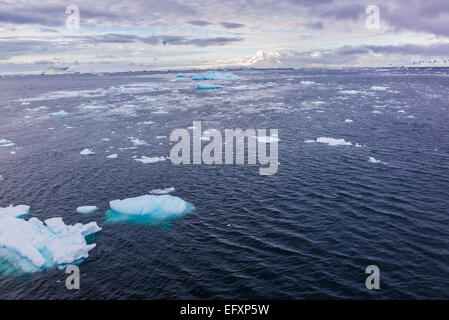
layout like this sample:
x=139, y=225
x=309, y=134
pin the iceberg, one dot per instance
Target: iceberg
x=15, y=212
x=59, y=114
x=86, y=209
x=208, y=87
x=5, y=143
x=144, y=159
x=162, y=191
x=333, y=142
x=214, y=75
x=148, y=209
x=87, y=152
x=30, y=245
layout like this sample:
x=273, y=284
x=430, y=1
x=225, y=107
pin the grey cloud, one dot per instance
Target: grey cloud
x=200, y=23
x=230, y=25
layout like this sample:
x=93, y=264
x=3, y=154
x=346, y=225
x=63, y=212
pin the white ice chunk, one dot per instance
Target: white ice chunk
x=86, y=209
x=214, y=75
x=5, y=143
x=349, y=121
x=333, y=142
x=161, y=206
x=308, y=83
x=144, y=159
x=59, y=114
x=374, y=160
x=379, y=88
x=87, y=152
x=113, y=156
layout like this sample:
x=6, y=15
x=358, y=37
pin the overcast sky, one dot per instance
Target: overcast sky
x=165, y=34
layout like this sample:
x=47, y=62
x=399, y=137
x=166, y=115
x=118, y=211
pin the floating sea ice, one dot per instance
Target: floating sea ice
x=333, y=142
x=144, y=159
x=14, y=212
x=358, y=145
x=208, y=87
x=161, y=137
x=5, y=143
x=401, y=111
x=137, y=141
x=309, y=141
x=378, y=88
x=374, y=160
x=148, y=209
x=113, y=156
x=213, y=75
x=1, y=178
x=148, y=122
x=162, y=191
x=349, y=121
x=350, y=92
x=86, y=209
x=180, y=76
x=30, y=245
x=376, y=111
x=87, y=152
x=60, y=113
x=308, y=83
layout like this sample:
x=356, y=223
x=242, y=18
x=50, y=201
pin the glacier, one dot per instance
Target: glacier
x=148, y=209
x=32, y=245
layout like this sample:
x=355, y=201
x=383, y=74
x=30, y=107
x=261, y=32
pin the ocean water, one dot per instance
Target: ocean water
x=309, y=231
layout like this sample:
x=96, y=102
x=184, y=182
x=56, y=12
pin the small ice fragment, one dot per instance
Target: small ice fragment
x=60, y=113
x=163, y=191
x=350, y=92
x=379, y=88
x=401, y=111
x=349, y=121
x=333, y=142
x=374, y=160
x=86, y=209
x=5, y=143
x=214, y=75
x=308, y=83
x=144, y=159
x=161, y=137
x=309, y=141
x=87, y=152
x=138, y=142
x=113, y=156
x=208, y=87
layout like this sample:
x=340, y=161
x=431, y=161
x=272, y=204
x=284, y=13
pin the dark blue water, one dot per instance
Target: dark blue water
x=308, y=231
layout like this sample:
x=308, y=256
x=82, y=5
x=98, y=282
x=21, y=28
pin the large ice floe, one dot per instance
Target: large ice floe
x=214, y=75
x=148, y=209
x=32, y=245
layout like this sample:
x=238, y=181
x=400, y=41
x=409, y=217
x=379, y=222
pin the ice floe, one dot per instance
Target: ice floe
x=30, y=245
x=112, y=156
x=379, y=88
x=333, y=142
x=144, y=159
x=87, y=152
x=2, y=178
x=208, y=87
x=86, y=209
x=148, y=209
x=308, y=83
x=5, y=143
x=138, y=142
x=350, y=92
x=59, y=114
x=214, y=75
x=162, y=191
x=349, y=121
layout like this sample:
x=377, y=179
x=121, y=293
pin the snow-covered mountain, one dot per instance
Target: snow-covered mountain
x=431, y=62
x=261, y=59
